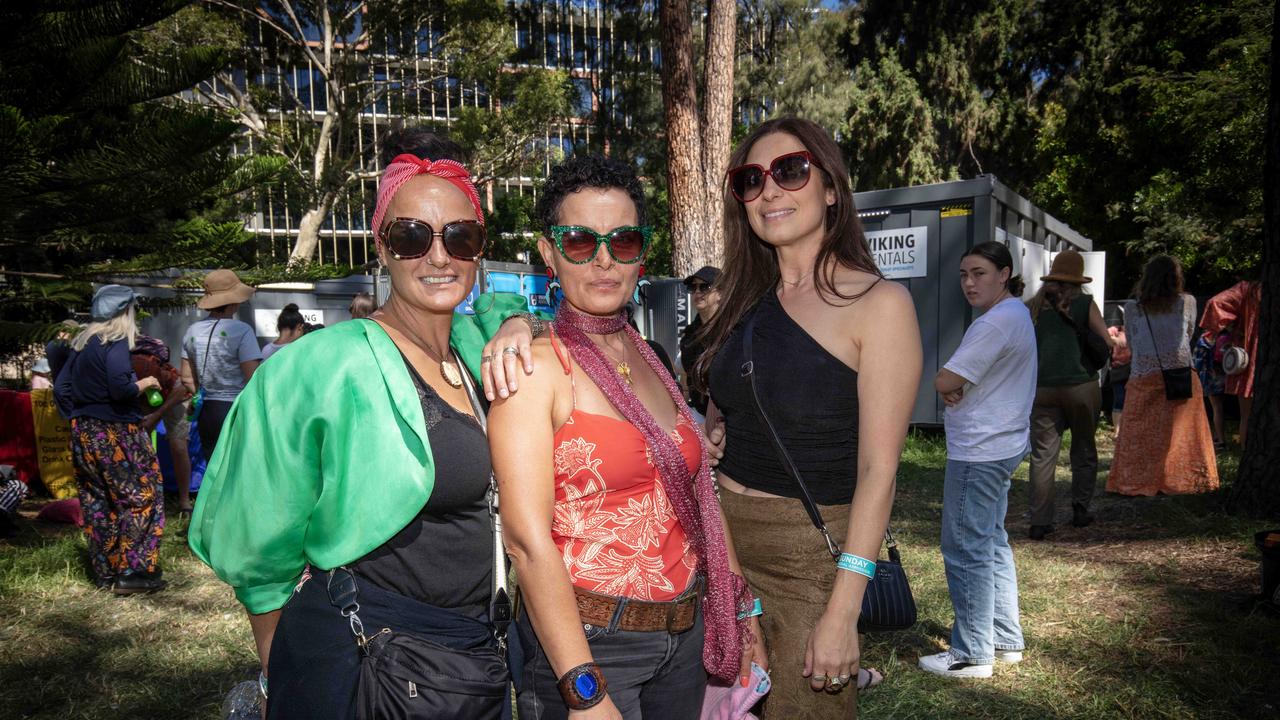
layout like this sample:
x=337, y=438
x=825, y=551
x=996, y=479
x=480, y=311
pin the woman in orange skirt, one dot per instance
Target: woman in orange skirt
x=1166, y=446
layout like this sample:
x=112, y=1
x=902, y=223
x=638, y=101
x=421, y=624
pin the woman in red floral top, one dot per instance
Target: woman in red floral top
x=631, y=594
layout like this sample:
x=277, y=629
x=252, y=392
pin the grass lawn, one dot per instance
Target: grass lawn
x=1142, y=615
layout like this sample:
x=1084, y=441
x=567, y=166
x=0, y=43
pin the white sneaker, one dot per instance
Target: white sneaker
x=1009, y=656
x=943, y=664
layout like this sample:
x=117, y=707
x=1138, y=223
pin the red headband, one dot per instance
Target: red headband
x=406, y=167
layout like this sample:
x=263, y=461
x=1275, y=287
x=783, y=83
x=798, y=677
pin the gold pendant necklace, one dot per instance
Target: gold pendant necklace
x=620, y=366
x=448, y=370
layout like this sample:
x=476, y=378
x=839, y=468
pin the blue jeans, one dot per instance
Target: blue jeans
x=975, y=548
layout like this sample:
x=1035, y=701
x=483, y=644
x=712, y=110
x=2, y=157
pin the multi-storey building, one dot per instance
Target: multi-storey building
x=582, y=37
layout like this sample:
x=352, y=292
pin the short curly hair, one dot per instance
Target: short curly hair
x=587, y=171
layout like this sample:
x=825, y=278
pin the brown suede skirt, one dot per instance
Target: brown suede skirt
x=786, y=563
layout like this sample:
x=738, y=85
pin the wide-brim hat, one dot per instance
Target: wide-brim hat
x=1067, y=267
x=223, y=287
x=111, y=300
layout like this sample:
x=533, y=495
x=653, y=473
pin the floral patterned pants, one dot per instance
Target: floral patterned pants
x=121, y=495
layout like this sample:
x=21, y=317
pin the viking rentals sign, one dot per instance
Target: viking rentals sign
x=900, y=253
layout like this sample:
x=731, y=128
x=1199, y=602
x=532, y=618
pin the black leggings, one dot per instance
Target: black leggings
x=213, y=413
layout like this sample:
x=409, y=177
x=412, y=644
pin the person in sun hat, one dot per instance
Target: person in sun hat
x=117, y=474
x=706, y=300
x=1067, y=393
x=219, y=354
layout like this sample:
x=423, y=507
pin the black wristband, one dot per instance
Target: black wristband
x=582, y=687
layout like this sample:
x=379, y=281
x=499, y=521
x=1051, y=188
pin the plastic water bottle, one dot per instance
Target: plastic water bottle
x=242, y=702
x=154, y=398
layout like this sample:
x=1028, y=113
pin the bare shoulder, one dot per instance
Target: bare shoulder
x=877, y=297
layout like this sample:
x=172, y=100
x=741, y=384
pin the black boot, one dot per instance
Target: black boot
x=1080, y=516
x=132, y=583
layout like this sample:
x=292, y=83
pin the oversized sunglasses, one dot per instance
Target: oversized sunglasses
x=790, y=172
x=579, y=244
x=409, y=238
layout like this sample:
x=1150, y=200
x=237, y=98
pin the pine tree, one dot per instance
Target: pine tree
x=104, y=172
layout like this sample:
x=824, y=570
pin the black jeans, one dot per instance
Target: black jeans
x=314, y=668
x=213, y=413
x=651, y=675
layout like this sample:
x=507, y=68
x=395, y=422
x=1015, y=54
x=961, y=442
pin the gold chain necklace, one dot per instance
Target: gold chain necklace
x=448, y=371
x=797, y=281
x=621, y=366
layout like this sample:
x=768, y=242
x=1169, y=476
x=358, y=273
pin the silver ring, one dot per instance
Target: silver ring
x=819, y=676
x=486, y=358
x=511, y=350
x=845, y=678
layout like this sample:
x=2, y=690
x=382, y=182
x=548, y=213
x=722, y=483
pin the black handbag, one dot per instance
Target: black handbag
x=1177, y=381
x=1094, y=353
x=408, y=677
x=887, y=603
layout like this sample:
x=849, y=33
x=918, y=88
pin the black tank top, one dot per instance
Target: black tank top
x=810, y=396
x=444, y=556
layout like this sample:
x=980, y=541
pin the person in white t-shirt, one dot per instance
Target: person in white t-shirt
x=988, y=386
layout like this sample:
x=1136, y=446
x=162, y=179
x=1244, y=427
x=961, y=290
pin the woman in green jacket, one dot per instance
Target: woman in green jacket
x=360, y=455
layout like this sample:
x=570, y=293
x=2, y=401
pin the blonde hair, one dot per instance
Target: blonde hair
x=1053, y=293
x=120, y=327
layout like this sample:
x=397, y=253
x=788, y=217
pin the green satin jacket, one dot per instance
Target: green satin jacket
x=323, y=457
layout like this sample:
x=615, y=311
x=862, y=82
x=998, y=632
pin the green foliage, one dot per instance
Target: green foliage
x=1154, y=143
x=103, y=170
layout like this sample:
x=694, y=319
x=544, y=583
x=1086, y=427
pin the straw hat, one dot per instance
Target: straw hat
x=223, y=287
x=1068, y=267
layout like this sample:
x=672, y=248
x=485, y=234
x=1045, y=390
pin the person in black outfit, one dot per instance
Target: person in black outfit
x=706, y=300
x=837, y=359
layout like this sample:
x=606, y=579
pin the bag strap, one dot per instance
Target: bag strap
x=1152, y=333
x=200, y=370
x=815, y=516
x=500, y=613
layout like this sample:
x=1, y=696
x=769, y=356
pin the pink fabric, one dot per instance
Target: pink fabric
x=1237, y=310
x=734, y=702
x=694, y=503
x=406, y=167
x=62, y=511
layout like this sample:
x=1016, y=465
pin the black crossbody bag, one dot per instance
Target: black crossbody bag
x=407, y=677
x=1177, y=381
x=887, y=603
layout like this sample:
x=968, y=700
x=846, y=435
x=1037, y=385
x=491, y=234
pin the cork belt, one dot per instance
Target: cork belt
x=674, y=617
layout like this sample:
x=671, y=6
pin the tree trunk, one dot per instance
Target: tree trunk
x=1257, y=487
x=717, y=129
x=304, y=249
x=685, y=186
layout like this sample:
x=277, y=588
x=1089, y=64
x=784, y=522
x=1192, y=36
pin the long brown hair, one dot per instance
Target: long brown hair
x=1053, y=294
x=750, y=266
x=1160, y=284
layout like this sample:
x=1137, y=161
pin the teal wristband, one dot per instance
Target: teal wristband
x=855, y=564
x=756, y=609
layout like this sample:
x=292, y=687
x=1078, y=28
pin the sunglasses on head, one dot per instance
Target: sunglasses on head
x=409, y=238
x=579, y=244
x=790, y=172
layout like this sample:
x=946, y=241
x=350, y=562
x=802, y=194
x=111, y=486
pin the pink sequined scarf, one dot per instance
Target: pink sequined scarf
x=695, y=503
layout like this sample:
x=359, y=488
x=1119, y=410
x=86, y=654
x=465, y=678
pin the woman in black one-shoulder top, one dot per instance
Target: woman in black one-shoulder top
x=837, y=359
